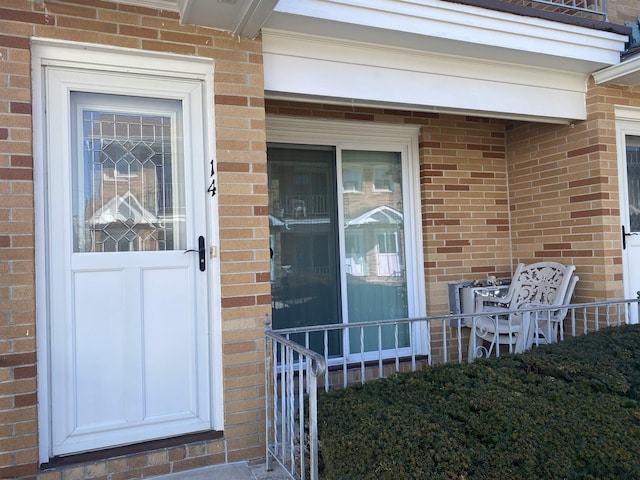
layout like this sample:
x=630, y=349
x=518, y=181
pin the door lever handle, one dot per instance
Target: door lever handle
x=202, y=251
x=624, y=237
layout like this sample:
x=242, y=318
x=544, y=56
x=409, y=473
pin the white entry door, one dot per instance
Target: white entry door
x=128, y=316
x=629, y=168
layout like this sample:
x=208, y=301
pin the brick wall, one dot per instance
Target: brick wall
x=243, y=249
x=601, y=102
x=564, y=193
x=556, y=196
x=465, y=215
x=621, y=11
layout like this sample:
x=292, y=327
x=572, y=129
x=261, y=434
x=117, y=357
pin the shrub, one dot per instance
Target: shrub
x=568, y=410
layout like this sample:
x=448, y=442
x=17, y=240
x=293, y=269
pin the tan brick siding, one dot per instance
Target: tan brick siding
x=621, y=11
x=564, y=196
x=243, y=225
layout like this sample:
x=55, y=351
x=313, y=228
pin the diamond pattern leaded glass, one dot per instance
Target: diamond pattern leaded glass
x=125, y=181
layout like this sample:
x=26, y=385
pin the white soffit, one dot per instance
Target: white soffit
x=313, y=68
x=240, y=17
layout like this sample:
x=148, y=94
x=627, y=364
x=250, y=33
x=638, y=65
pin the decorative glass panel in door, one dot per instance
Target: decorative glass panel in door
x=125, y=195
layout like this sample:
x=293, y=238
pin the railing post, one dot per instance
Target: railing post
x=638, y=305
x=268, y=365
x=313, y=420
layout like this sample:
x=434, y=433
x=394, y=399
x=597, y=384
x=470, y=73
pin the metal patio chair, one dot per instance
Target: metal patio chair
x=542, y=283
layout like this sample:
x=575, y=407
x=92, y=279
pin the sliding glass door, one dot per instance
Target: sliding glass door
x=338, y=243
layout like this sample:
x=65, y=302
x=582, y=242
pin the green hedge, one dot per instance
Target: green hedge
x=564, y=411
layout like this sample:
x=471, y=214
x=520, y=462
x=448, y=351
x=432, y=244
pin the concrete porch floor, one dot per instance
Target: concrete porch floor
x=231, y=471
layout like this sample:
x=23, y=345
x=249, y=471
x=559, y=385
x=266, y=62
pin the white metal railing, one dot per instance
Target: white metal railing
x=594, y=7
x=291, y=379
x=299, y=361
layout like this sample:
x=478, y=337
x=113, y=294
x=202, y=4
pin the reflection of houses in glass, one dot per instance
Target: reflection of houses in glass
x=302, y=217
x=373, y=244
x=374, y=233
x=302, y=211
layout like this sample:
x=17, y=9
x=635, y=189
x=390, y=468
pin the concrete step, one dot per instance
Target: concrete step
x=231, y=471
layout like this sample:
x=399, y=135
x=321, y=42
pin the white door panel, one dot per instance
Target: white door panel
x=168, y=325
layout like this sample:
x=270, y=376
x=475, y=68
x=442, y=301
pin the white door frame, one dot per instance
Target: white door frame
x=129, y=62
x=627, y=123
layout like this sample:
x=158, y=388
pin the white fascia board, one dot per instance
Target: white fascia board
x=309, y=67
x=472, y=26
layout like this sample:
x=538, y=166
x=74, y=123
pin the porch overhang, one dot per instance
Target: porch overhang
x=435, y=56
